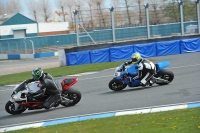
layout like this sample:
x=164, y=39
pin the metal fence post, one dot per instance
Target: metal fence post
x=33, y=48
x=1, y=48
x=25, y=47
x=198, y=18
x=113, y=23
x=77, y=29
x=181, y=14
x=16, y=46
x=147, y=19
x=8, y=47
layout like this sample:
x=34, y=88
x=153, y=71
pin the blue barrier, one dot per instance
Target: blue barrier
x=76, y=58
x=100, y=55
x=125, y=52
x=146, y=50
x=168, y=48
x=120, y=53
x=190, y=45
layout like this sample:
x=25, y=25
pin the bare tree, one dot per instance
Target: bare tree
x=128, y=4
x=81, y=6
x=33, y=8
x=118, y=12
x=12, y=6
x=70, y=5
x=2, y=8
x=140, y=2
x=62, y=4
x=99, y=4
x=46, y=9
x=92, y=7
x=155, y=5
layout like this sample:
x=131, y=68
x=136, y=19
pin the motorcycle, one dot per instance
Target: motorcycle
x=122, y=75
x=22, y=96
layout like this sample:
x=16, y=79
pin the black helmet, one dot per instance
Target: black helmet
x=37, y=73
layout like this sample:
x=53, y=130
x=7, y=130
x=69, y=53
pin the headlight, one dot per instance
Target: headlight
x=14, y=96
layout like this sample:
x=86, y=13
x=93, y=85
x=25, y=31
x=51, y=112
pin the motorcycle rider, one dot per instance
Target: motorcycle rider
x=146, y=69
x=47, y=84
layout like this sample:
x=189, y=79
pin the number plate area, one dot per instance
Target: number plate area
x=117, y=74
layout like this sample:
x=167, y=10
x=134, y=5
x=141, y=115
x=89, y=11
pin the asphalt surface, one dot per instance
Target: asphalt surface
x=17, y=66
x=97, y=97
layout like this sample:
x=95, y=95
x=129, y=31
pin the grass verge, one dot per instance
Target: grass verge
x=59, y=71
x=176, y=121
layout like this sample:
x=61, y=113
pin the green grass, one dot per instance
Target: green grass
x=59, y=71
x=176, y=121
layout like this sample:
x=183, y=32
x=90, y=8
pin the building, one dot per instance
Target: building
x=17, y=26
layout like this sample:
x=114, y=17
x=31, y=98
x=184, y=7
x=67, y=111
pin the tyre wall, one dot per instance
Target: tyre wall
x=117, y=53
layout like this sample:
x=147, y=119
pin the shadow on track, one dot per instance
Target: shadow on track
x=32, y=112
x=128, y=90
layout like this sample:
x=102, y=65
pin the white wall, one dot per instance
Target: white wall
x=32, y=28
x=51, y=27
x=7, y=29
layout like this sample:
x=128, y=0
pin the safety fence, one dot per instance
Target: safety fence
x=110, y=25
x=124, y=52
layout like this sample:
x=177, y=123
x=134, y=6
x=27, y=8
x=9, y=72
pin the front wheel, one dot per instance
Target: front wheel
x=116, y=85
x=72, y=94
x=10, y=107
x=166, y=75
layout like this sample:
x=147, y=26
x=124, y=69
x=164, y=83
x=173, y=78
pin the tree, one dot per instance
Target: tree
x=90, y=10
x=97, y=4
x=118, y=12
x=62, y=4
x=140, y=2
x=173, y=12
x=71, y=5
x=46, y=9
x=1, y=8
x=128, y=3
x=12, y=6
x=81, y=13
x=33, y=8
x=156, y=10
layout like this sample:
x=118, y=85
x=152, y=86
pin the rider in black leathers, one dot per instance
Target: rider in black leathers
x=146, y=69
x=47, y=84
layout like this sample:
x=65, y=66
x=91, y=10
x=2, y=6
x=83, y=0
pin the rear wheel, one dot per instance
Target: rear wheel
x=10, y=108
x=72, y=94
x=116, y=85
x=166, y=75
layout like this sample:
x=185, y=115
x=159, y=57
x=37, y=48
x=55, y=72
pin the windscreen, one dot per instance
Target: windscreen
x=20, y=87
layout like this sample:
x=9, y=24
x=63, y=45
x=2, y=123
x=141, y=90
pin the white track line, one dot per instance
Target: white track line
x=87, y=73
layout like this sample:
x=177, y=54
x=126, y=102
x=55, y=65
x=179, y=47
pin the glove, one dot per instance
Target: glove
x=137, y=67
x=39, y=91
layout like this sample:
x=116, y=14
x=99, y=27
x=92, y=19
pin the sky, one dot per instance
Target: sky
x=53, y=4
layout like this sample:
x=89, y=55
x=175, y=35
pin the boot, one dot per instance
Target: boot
x=152, y=81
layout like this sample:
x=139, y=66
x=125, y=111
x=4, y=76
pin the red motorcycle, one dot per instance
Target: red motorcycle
x=22, y=96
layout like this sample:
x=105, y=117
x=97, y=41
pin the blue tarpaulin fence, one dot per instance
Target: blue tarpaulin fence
x=124, y=52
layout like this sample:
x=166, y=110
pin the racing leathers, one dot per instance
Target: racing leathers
x=49, y=86
x=146, y=70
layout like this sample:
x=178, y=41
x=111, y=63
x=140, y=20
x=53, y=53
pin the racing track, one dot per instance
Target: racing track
x=97, y=97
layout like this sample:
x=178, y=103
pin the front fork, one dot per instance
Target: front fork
x=15, y=104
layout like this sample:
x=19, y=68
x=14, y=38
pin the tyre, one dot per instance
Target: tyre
x=116, y=85
x=166, y=75
x=72, y=94
x=10, y=108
